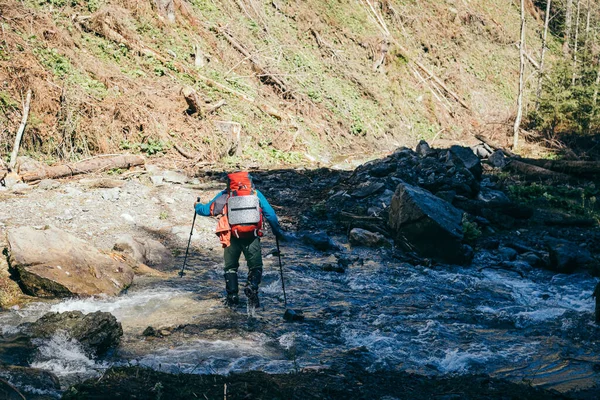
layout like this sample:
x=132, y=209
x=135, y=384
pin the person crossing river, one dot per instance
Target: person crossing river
x=240, y=209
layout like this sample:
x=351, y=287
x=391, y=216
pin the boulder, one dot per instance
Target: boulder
x=26, y=164
x=497, y=159
x=52, y=263
x=31, y=381
x=175, y=177
x=366, y=189
x=145, y=251
x=423, y=222
x=467, y=158
x=9, y=290
x=320, y=241
x=423, y=149
x=363, y=237
x=97, y=332
x=567, y=257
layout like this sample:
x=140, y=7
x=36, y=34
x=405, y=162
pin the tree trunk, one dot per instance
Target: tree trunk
x=15, y=151
x=568, y=23
x=578, y=168
x=541, y=71
x=535, y=173
x=521, y=79
x=84, y=167
x=575, y=43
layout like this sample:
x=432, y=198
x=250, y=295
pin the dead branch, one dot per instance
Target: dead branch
x=323, y=44
x=84, y=167
x=265, y=76
x=214, y=107
x=183, y=152
x=13, y=155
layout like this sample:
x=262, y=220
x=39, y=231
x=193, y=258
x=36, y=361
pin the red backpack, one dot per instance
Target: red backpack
x=243, y=206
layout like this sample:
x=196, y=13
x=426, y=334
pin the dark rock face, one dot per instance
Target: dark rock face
x=567, y=257
x=468, y=159
x=319, y=241
x=429, y=224
x=25, y=378
x=97, y=332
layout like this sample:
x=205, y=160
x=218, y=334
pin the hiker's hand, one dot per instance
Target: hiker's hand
x=197, y=202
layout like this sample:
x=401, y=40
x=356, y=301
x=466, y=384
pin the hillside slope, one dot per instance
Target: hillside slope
x=309, y=79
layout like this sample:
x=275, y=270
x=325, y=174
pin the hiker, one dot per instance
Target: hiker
x=240, y=209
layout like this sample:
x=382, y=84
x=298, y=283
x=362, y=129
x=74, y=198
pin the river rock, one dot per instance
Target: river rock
x=423, y=149
x=9, y=290
x=26, y=164
x=48, y=184
x=97, y=332
x=30, y=381
x=470, y=161
x=53, y=263
x=320, y=241
x=497, y=159
x=363, y=237
x=567, y=257
x=145, y=251
x=507, y=253
x=429, y=224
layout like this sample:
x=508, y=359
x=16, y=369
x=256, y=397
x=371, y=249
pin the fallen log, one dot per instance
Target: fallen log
x=494, y=146
x=578, y=168
x=84, y=167
x=535, y=173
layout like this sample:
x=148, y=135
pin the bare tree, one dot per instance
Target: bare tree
x=568, y=23
x=544, y=37
x=521, y=79
x=576, y=42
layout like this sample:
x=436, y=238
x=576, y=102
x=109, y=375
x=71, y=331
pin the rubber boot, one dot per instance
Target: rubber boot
x=251, y=289
x=231, y=286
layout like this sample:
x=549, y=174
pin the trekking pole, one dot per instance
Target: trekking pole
x=281, y=272
x=189, y=240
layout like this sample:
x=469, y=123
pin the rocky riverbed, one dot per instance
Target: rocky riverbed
x=394, y=280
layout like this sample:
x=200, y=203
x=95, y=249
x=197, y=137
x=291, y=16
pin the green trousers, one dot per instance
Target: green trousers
x=252, y=253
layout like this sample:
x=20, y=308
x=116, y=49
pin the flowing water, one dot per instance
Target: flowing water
x=532, y=326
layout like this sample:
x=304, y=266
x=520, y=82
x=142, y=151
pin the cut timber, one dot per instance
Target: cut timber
x=84, y=167
x=535, y=173
x=13, y=155
x=232, y=131
x=578, y=168
x=264, y=75
x=191, y=98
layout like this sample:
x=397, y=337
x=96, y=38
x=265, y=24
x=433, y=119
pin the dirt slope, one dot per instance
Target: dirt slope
x=306, y=80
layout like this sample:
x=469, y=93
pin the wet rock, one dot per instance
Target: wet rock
x=175, y=177
x=319, y=240
x=468, y=159
x=31, y=381
x=363, y=237
x=567, y=257
x=532, y=259
x=145, y=251
x=53, y=263
x=293, y=315
x=497, y=159
x=149, y=331
x=98, y=332
x=334, y=268
x=429, y=224
x=507, y=254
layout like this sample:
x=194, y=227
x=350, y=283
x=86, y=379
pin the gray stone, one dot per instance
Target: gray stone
x=532, y=259
x=367, y=188
x=53, y=263
x=72, y=191
x=20, y=188
x=157, y=180
x=145, y=251
x=423, y=149
x=111, y=194
x=507, y=254
x=493, y=197
x=175, y=177
x=48, y=184
x=470, y=161
x=363, y=237
x=11, y=180
x=423, y=222
x=497, y=159
x=26, y=164
x=97, y=332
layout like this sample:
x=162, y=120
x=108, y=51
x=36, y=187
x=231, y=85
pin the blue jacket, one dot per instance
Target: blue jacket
x=267, y=210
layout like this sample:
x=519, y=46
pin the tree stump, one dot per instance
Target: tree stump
x=192, y=100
